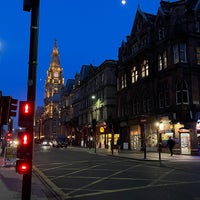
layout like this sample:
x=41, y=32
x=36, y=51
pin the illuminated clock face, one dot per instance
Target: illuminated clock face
x=55, y=74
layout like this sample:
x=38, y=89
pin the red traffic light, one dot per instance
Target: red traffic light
x=26, y=107
x=26, y=113
x=24, y=138
x=24, y=148
x=23, y=166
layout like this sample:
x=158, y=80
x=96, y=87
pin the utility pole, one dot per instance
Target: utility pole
x=33, y=6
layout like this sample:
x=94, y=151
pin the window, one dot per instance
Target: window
x=123, y=109
x=179, y=53
x=198, y=55
x=134, y=75
x=163, y=95
x=197, y=26
x=123, y=81
x=146, y=103
x=145, y=68
x=182, y=96
x=135, y=106
x=162, y=61
x=161, y=33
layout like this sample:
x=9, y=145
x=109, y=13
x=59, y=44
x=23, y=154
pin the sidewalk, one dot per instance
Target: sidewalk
x=150, y=156
x=11, y=182
x=11, y=185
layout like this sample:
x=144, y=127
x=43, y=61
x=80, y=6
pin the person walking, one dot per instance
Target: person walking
x=3, y=146
x=118, y=144
x=170, y=144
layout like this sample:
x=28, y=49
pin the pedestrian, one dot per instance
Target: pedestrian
x=170, y=144
x=118, y=144
x=3, y=146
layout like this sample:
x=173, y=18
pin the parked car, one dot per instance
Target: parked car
x=60, y=142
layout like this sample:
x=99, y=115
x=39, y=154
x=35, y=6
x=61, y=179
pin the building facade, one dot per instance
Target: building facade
x=89, y=104
x=158, y=78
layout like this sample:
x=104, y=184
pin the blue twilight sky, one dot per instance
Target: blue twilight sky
x=87, y=32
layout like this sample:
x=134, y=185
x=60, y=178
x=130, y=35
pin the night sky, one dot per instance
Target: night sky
x=87, y=32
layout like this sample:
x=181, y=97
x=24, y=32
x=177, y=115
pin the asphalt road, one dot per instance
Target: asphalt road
x=83, y=175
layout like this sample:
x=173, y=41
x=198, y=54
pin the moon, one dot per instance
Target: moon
x=123, y=2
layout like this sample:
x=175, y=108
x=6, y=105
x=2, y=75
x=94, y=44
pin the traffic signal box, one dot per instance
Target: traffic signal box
x=8, y=137
x=26, y=114
x=24, y=153
x=8, y=107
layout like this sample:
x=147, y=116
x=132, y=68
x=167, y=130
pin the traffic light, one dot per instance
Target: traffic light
x=24, y=153
x=8, y=108
x=13, y=107
x=26, y=114
x=4, y=109
x=8, y=137
x=23, y=166
x=24, y=148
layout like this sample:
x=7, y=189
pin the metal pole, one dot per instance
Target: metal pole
x=159, y=146
x=31, y=93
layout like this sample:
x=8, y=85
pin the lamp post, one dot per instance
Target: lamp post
x=32, y=6
x=159, y=140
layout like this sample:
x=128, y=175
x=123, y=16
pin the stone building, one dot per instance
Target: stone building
x=90, y=103
x=158, y=78
x=53, y=85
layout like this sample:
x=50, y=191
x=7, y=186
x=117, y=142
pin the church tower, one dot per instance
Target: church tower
x=53, y=85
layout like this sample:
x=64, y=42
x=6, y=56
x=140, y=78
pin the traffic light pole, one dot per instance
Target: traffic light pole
x=31, y=93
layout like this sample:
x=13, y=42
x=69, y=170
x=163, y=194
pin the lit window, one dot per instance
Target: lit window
x=123, y=81
x=134, y=75
x=162, y=61
x=145, y=68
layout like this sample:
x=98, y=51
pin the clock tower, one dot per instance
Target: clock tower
x=53, y=85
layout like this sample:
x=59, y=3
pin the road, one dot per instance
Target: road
x=82, y=175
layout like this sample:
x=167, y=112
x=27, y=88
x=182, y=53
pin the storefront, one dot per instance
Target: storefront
x=185, y=141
